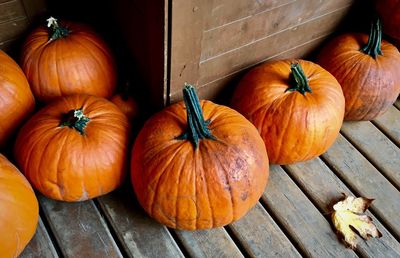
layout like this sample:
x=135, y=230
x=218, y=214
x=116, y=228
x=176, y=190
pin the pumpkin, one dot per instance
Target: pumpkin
x=296, y=105
x=68, y=58
x=16, y=101
x=198, y=165
x=75, y=148
x=367, y=69
x=19, y=210
x=389, y=12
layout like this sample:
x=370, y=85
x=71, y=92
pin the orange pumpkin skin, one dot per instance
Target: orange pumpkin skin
x=16, y=101
x=79, y=63
x=370, y=86
x=66, y=165
x=128, y=105
x=294, y=127
x=19, y=210
x=389, y=12
x=198, y=188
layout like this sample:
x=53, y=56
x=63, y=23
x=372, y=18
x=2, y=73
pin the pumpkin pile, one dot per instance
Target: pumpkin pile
x=195, y=164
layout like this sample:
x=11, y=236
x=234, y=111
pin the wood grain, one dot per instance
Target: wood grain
x=209, y=243
x=389, y=123
x=248, y=55
x=34, y=8
x=260, y=236
x=79, y=229
x=40, y=246
x=363, y=178
x=223, y=11
x=300, y=218
x=324, y=188
x=378, y=149
x=11, y=10
x=140, y=235
x=246, y=31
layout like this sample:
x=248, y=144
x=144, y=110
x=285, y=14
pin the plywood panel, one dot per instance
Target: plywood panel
x=234, y=35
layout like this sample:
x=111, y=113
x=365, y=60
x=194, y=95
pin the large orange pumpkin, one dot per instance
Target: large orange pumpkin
x=389, y=12
x=199, y=166
x=367, y=69
x=66, y=59
x=296, y=106
x=19, y=210
x=16, y=101
x=75, y=148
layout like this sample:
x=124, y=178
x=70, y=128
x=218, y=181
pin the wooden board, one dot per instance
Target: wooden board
x=388, y=161
x=364, y=180
x=11, y=10
x=389, y=123
x=79, y=229
x=254, y=28
x=322, y=186
x=40, y=246
x=301, y=219
x=209, y=243
x=247, y=55
x=13, y=29
x=260, y=236
x=140, y=235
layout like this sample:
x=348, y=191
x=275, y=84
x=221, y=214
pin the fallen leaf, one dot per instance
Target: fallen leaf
x=347, y=217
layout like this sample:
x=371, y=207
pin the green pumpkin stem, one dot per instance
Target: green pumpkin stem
x=298, y=80
x=75, y=119
x=197, y=126
x=57, y=31
x=373, y=46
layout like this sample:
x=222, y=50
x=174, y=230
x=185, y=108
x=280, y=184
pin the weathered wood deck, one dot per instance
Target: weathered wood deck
x=291, y=219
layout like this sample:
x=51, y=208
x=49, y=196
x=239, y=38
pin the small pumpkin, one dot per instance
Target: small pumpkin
x=367, y=69
x=75, y=148
x=126, y=102
x=296, y=105
x=198, y=165
x=389, y=12
x=19, y=210
x=16, y=101
x=67, y=58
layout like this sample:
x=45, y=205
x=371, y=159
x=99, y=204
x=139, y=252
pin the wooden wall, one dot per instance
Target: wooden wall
x=15, y=18
x=214, y=41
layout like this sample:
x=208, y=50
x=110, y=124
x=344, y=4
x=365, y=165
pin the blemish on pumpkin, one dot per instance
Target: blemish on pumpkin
x=244, y=195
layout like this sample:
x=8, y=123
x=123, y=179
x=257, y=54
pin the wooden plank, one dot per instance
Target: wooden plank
x=260, y=236
x=363, y=178
x=245, y=31
x=397, y=103
x=186, y=34
x=6, y=46
x=374, y=145
x=300, y=218
x=223, y=11
x=40, y=246
x=389, y=123
x=248, y=55
x=11, y=10
x=209, y=243
x=79, y=229
x=323, y=187
x=13, y=29
x=140, y=235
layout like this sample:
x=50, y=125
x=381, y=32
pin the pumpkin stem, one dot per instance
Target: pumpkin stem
x=197, y=126
x=57, y=31
x=75, y=119
x=298, y=80
x=373, y=46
